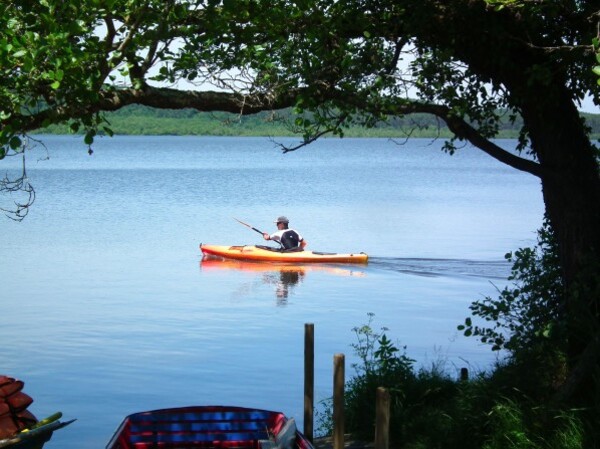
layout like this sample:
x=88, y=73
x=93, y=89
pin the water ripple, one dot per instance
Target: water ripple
x=428, y=267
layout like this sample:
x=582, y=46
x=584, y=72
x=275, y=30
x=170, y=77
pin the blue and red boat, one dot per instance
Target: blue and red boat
x=219, y=427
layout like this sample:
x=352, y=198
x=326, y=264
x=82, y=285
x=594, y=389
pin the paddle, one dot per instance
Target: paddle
x=42, y=429
x=254, y=229
x=247, y=225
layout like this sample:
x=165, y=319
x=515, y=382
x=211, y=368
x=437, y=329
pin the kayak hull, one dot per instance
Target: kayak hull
x=262, y=254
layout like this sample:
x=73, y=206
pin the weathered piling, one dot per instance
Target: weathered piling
x=309, y=379
x=382, y=419
x=338, y=401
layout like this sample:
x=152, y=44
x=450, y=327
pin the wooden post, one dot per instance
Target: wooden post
x=382, y=419
x=464, y=374
x=309, y=379
x=338, y=401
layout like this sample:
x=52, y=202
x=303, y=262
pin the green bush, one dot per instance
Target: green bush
x=430, y=409
x=528, y=313
x=526, y=321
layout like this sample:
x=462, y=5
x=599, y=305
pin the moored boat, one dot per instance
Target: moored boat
x=19, y=428
x=268, y=254
x=219, y=427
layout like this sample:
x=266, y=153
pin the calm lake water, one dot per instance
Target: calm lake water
x=109, y=310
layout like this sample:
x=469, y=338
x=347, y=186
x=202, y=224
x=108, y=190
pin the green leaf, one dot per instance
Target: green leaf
x=15, y=142
x=596, y=70
x=89, y=137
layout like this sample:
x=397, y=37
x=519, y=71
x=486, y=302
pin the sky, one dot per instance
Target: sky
x=588, y=106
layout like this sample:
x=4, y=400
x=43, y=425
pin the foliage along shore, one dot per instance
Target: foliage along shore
x=142, y=120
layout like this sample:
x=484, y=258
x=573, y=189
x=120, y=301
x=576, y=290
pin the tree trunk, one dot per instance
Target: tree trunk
x=571, y=190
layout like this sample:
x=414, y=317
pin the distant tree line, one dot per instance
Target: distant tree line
x=143, y=120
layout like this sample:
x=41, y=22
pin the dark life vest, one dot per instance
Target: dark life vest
x=14, y=415
x=290, y=239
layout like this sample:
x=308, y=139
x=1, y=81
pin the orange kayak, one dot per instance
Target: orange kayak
x=268, y=254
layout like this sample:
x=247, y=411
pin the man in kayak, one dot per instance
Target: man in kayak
x=289, y=238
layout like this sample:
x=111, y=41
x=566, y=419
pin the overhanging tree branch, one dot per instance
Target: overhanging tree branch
x=246, y=104
x=460, y=127
x=465, y=131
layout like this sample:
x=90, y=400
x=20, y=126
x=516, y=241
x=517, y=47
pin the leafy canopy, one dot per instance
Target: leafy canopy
x=349, y=61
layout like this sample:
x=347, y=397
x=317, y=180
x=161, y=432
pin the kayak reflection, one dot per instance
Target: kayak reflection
x=284, y=276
